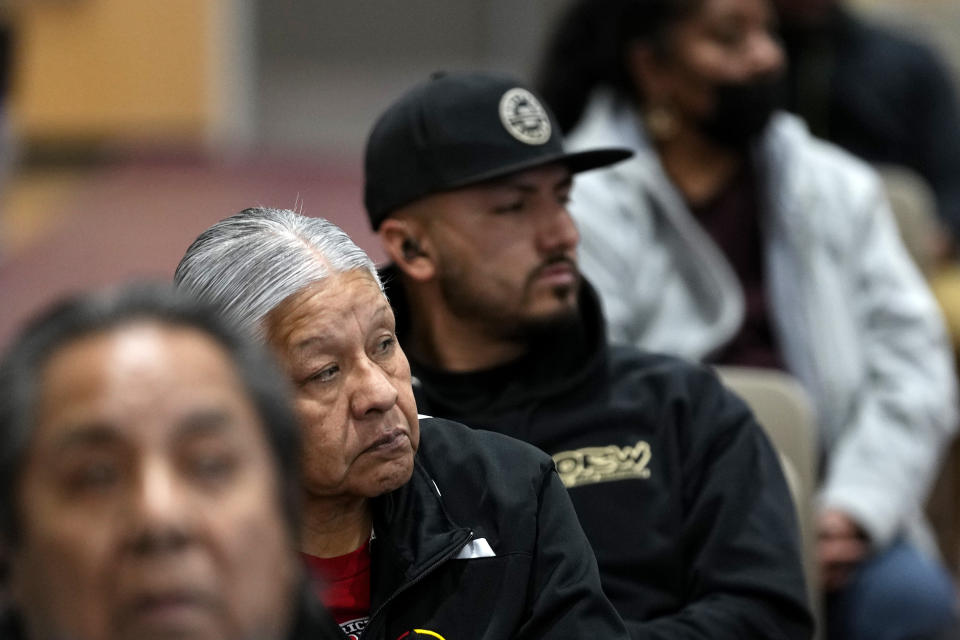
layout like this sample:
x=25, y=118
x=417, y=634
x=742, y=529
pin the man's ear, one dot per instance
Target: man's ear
x=408, y=247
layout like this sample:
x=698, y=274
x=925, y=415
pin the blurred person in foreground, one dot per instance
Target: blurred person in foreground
x=674, y=482
x=148, y=462
x=414, y=527
x=877, y=93
x=736, y=238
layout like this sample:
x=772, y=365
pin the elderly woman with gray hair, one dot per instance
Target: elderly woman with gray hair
x=413, y=527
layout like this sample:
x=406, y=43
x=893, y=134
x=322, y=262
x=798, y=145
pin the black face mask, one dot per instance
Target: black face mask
x=741, y=111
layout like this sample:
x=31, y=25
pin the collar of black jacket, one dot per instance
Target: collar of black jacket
x=413, y=534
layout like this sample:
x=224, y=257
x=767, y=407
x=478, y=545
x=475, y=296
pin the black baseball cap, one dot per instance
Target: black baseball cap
x=458, y=129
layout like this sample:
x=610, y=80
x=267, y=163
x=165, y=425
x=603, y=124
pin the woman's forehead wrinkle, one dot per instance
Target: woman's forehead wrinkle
x=303, y=315
x=328, y=311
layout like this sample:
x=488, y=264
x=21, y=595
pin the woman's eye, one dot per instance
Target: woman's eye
x=385, y=345
x=324, y=375
x=729, y=35
x=94, y=477
x=212, y=467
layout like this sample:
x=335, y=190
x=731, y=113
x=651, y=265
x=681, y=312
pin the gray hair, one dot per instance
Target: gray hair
x=249, y=263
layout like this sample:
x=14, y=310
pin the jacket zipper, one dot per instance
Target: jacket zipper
x=454, y=549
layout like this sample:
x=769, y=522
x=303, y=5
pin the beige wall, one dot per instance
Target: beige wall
x=122, y=69
x=289, y=74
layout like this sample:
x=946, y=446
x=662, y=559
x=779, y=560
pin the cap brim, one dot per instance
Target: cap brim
x=576, y=161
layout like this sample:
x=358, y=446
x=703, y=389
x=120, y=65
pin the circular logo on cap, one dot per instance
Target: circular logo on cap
x=524, y=117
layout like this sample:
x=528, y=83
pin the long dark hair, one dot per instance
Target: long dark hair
x=588, y=49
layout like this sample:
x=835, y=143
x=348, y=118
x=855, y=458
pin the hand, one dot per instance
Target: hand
x=941, y=247
x=841, y=547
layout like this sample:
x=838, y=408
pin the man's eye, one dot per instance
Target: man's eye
x=511, y=207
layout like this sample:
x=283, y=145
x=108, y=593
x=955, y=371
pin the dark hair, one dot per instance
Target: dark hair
x=67, y=321
x=588, y=49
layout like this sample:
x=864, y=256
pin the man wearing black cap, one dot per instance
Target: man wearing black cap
x=675, y=484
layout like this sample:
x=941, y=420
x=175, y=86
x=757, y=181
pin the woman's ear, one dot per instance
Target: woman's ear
x=408, y=248
x=651, y=80
x=647, y=72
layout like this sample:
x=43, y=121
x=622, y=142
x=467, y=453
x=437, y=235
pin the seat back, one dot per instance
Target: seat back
x=785, y=410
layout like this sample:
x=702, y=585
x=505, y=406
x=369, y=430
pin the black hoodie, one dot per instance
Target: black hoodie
x=676, y=486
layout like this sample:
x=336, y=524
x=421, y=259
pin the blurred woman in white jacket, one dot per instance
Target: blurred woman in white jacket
x=734, y=237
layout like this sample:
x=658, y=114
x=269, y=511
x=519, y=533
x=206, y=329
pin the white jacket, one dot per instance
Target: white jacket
x=854, y=319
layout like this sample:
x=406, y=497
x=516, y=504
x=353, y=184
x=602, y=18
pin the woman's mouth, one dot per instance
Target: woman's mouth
x=389, y=442
x=177, y=609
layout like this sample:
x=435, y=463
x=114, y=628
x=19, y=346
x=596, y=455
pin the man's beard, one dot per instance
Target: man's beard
x=508, y=322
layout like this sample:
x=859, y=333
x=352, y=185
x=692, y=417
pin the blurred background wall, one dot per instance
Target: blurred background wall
x=327, y=68
x=129, y=126
x=135, y=124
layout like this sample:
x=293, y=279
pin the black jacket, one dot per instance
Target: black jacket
x=675, y=484
x=535, y=576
